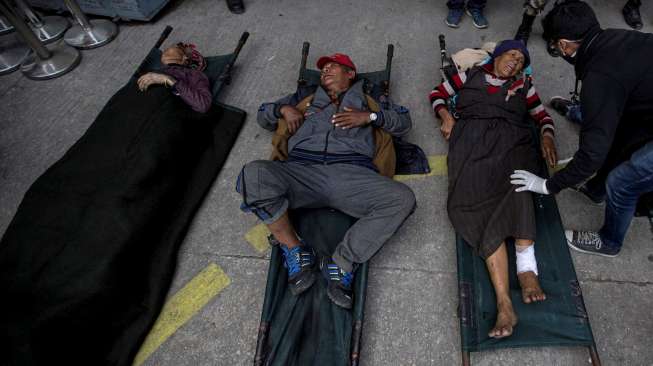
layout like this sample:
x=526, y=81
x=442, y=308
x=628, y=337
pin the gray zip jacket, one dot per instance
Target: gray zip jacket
x=318, y=134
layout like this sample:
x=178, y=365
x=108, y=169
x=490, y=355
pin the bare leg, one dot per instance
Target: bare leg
x=284, y=232
x=530, y=285
x=497, y=266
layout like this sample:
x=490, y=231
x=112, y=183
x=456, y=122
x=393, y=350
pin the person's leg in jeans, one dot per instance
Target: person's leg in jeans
x=625, y=184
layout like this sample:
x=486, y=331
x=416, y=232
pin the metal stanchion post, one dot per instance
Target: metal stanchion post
x=5, y=27
x=88, y=33
x=43, y=63
x=49, y=28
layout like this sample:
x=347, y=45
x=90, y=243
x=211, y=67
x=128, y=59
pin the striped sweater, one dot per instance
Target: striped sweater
x=446, y=90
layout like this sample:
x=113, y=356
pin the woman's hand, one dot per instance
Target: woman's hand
x=549, y=150
x=153, y=78
x=447, y=123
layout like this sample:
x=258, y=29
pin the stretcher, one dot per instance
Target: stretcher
x=87, y=261
x=560, y=320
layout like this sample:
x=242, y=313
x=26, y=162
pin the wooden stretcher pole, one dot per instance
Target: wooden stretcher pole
x=594, y=355
x=225, y=76
x=164, y=35
x=301, y=81
x=141, y=68
x=465, y=358
x=388, y=70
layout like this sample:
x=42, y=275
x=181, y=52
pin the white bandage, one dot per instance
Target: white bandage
x=526, y=259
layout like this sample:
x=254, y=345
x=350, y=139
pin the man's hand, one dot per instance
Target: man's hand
x=351, y=118
x=528, y=182
x=447, y=123
x=153, y=78
x=293, y=117
x=549, y=150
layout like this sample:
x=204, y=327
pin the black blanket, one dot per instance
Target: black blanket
x=89, y=256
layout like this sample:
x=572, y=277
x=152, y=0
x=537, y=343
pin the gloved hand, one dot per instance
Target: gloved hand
x=529, y=182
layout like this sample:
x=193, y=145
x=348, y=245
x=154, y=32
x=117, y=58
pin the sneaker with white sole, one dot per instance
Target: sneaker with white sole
x=589, y=242
x=477, y=18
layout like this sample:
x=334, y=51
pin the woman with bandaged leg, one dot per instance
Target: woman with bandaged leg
x=491, y=139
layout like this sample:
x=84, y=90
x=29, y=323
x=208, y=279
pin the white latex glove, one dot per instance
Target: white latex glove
x=528, y=182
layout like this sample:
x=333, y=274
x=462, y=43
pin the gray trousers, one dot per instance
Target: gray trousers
x=269, y=188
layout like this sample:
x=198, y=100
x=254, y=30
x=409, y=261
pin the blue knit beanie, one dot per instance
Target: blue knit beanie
x=512, y=44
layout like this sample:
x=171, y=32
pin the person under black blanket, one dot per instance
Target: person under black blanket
x=616, y=137
x=329, y=165
x=492, y=137
x=190, y=84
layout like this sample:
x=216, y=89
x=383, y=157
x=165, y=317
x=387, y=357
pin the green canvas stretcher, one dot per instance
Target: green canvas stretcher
x=560, y=320
x=309, y=329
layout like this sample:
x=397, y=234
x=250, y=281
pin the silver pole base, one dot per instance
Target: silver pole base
x=13, y=52
x=5, y=27
x=54, y=27
x=102, y=31
x=64, y=58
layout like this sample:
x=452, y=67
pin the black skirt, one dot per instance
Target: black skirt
x=482, y=203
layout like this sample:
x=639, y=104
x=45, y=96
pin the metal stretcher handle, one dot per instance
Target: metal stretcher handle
x=443, y=45
x=241, y=43
x=164, y=35
x=225, y=76
x=388, y=69
x=302, y=69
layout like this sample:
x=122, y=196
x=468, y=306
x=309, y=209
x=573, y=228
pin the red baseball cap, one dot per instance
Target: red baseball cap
x=338, y=58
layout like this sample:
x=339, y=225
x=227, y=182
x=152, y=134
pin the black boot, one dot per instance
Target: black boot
x=631, y=14
x=525, y=28
x=236, y=6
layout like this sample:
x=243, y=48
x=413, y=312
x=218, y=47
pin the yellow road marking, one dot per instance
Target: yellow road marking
x=258, y=237
x=182, y=306
x=438, y=165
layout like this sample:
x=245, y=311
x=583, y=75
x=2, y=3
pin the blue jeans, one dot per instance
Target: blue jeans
x=625, y=184
x=471, y=4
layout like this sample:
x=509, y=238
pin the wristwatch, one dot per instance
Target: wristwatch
x=373, y=117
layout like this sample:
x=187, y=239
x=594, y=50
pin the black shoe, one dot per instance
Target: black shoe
x=236, y=6
x=299, y=261
x=589, y=242
x=339, y=287
x=595, y=198
x=525, y=28
x=560, y=105
x=631, y=14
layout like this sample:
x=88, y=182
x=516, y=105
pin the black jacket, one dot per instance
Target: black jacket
x=616, y=70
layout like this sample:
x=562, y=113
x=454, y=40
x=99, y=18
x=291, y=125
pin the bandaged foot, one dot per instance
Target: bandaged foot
x=527, y=274
x=506, y=321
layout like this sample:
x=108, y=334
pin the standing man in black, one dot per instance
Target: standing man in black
x=616, y=138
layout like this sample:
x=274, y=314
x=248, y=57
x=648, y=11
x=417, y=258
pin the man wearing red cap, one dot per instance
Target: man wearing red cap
x=329, y=164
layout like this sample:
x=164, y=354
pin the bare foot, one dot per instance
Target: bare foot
x=506, y=320
x=530, y=287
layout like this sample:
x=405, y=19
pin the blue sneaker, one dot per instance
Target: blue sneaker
x=454, y=17
x=339, y=287
x=299, y=261
x=477, y=16
x=589, y=242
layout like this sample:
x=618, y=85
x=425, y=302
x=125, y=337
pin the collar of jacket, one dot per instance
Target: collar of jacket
x=586, y=51
x=355, y=92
